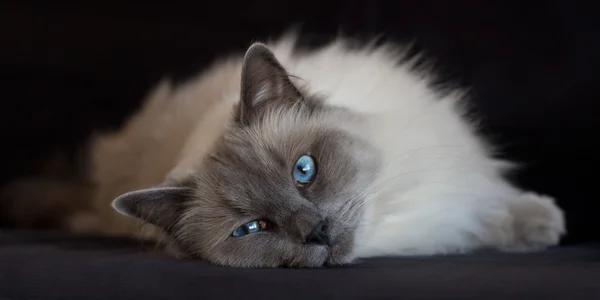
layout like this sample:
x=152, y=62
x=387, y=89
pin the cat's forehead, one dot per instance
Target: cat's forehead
x=283, y=128
x=267, y=157
x=270, y=143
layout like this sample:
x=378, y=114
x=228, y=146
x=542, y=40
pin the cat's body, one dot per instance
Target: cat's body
x=401, y=171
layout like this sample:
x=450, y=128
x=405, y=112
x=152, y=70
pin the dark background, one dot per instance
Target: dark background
x=70, y=67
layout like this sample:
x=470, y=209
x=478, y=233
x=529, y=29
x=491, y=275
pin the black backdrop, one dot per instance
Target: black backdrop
x=68, y=67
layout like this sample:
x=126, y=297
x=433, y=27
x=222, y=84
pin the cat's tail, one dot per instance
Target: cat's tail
x=46, y=199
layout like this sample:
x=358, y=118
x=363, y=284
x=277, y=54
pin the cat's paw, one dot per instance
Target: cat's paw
x=538, y=223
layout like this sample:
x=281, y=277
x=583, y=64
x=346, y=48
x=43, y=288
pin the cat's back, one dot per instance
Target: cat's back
x=150, y=144
x=369, y=79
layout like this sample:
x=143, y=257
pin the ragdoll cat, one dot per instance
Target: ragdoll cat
x=306, y=159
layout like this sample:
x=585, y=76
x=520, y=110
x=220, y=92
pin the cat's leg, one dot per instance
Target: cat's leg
x=536, y=223
x=517, y=221
x=500, y=218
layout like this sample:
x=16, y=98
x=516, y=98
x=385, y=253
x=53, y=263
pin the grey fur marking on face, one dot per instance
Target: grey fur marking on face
x=248, y=176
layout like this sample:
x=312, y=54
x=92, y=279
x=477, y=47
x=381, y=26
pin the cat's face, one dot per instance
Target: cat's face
x=284, y=186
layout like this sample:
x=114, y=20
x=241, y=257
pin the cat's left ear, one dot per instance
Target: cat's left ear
x=263, y=79
x=158, y=206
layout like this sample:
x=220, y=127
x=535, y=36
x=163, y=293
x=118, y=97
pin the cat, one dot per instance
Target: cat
x=289, y=158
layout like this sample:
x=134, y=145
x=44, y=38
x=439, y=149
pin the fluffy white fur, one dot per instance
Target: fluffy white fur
x=440, y=191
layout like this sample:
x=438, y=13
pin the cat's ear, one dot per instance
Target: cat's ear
x=263, y=79
x=158, y=206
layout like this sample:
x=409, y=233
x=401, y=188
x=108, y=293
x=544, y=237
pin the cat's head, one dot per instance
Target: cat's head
x=285, y=185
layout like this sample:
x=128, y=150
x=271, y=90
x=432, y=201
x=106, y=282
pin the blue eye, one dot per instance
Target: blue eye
x=250, y=227
x=305, y=169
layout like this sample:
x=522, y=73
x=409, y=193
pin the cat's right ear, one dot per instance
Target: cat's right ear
x=158, y=206
x=263, y=79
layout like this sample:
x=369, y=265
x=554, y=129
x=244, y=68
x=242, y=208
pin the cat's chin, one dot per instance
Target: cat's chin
x=338, y=257
x=334, y=256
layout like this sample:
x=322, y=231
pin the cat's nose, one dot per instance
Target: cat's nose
x=318, y=235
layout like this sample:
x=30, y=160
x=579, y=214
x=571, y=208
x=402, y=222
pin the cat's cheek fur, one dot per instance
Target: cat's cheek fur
x=344, y=250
